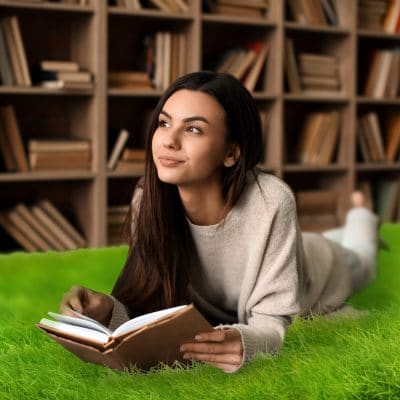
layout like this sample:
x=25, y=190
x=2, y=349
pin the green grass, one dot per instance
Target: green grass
x=340, y=358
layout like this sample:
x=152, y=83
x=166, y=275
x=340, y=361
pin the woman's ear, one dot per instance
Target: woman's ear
x=232, y=155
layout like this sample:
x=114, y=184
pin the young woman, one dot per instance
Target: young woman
x=208, y=228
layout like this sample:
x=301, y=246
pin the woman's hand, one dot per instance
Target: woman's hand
x=222, y=348
x=95, y=305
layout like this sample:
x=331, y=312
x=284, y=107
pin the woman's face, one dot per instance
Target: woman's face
x=189, y=145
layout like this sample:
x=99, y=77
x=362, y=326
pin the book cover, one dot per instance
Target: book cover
x=144, y=342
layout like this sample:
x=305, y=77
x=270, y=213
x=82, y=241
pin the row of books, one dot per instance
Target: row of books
x=373, y=14
x=124, y=159
x=241, y=8
x=116, y=217
x=169, y=6
x=313, y=12
x=373, y=147
x=318, y=138
x=310, y=72
x=41, y=227
x=383, y=77
x=245, y=63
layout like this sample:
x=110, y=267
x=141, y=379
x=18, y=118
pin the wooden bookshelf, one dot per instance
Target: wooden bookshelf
x=105, y=38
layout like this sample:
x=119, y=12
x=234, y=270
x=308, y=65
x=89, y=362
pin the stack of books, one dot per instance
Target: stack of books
x=317, y=209
x=123, y=159
x=59, y=153
x=319, y=72
x=11, y=144
x=116, y=217
x=130, y=80
x=41, y=227
x=129, y=4
x=313, y=12
x=14, y=68
x=241, y=8
x=168, y=58
x=318, y=138
x=371, y=14
x=383, y=76
x=371, y=143
x=62, y=75
x=245, y=63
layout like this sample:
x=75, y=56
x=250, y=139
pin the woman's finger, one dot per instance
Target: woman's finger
x=233, y=359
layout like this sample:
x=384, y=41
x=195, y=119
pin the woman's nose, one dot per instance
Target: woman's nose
x=172, y=138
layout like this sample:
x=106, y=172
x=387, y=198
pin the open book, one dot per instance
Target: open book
x=143, y=341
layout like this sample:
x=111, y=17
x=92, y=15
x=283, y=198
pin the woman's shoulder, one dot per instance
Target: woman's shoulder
x=271, y=188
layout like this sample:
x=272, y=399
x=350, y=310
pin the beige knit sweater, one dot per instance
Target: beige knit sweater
x=255, y=271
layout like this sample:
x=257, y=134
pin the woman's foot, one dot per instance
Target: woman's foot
x=358, y=199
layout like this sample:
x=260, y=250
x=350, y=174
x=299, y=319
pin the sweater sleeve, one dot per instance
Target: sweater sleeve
x=274, y=286
x=119, y=314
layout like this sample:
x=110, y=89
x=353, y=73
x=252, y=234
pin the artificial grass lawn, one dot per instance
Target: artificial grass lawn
x=339, y=358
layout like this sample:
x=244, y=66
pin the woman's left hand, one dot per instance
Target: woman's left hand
x=222, y=348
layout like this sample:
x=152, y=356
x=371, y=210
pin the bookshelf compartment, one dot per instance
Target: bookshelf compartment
x=316, y=135
x=232, y=39
x=61, y=37
x=72, y=198
x=306, y=46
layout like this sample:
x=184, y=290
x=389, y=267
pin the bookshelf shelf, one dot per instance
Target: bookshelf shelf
x=230, y=19
x=134, y=93
x=103, y=39
x=46, y=176
x=149, y=14
x=378, y=166
x=46, y=6
x=35, y=90
x=326, y=30
x=326, y=97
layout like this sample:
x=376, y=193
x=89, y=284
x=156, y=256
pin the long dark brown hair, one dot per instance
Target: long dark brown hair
x=156, y=272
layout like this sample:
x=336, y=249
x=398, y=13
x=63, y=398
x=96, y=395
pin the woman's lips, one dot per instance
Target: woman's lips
x=170, y=161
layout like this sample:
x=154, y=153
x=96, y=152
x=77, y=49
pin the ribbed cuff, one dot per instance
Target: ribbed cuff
x=119, y=314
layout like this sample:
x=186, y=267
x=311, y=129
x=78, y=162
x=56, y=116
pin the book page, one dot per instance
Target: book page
x=145, y=319
x=74, y=331
x=80, y=320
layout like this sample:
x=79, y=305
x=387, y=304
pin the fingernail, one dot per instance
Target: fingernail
x=186, y=356
x=198, y=337
x=183, y=348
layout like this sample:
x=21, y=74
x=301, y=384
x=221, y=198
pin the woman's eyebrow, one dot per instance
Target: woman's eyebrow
x=188, y=119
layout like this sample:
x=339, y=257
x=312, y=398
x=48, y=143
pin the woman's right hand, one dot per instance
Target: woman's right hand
x=95, y=305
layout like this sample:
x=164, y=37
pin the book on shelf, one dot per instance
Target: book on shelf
x=169, y=58
x=62, y=74
x=134, y=155
x=371, y=14
x=387, y=197
x=168, y=6
x=291, y=69
x=62, y=153
x=139, y=80
x=391, y=18
x=117, y=149
x=370, y=138
x=318, y=138
x=392, y=149
x=12, y=138
x=313, y=12
x=383, y=77
x=142, y=342
x=6, y=72
x=40, y=227
x=6, y=152
x=240, y=8
x=14, y=61
x=132, y=167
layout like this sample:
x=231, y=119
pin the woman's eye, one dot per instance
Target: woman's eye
x=194, y=129
x=162, y=123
